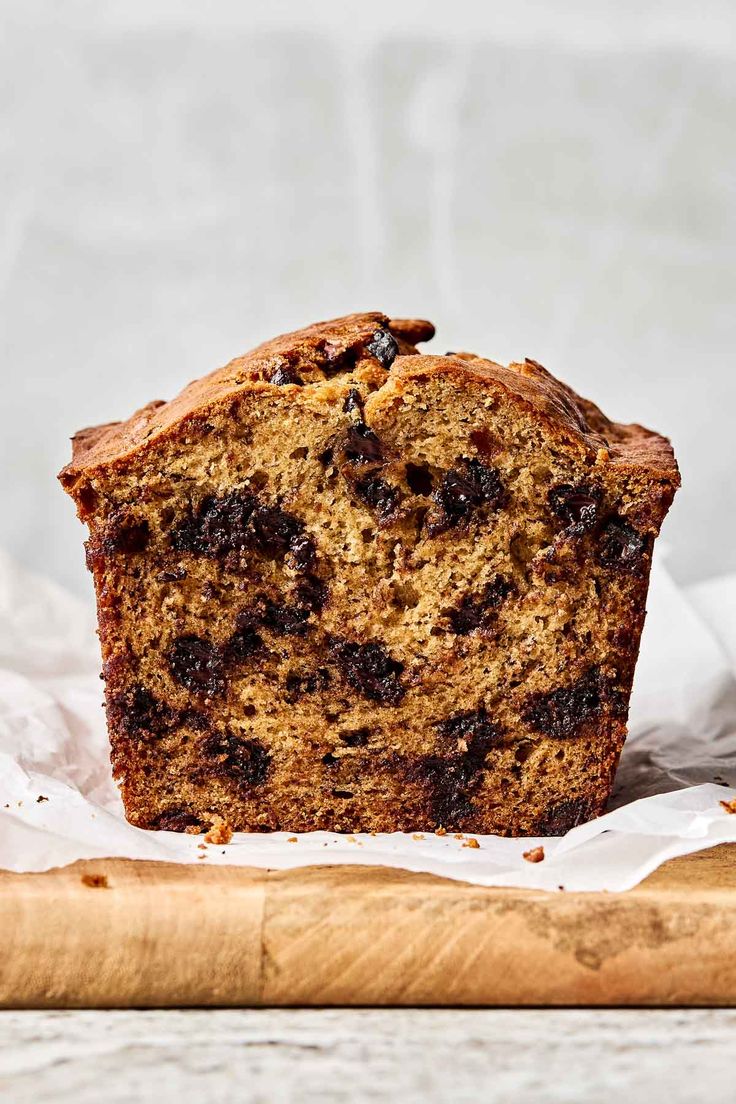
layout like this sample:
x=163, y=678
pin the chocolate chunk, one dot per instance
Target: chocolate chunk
x=177, y=819
x=337, y=359
x=450, y=783
x=562, y=712
x=246, y=640
x=139, y=713
x=272, y=530
x=477, y=611
x=361, y=445
x=241, y=760
x=577, y=506
x=311, y=593
x=461, y=492
x=302, y=553
x=370, y=670
x=560, y=818
x=197, y=664
x=235, y=522
x=384, y=347
x=219, y=526
x=285, y=620
x=288, y=618
x=486, y=483
x=477, y=731
x=354, y=403
x=283, y=376
x=378, y=495
x=621, y=546
x=172, y=576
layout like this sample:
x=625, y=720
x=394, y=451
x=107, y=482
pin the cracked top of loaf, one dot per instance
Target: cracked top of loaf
x=373, y=343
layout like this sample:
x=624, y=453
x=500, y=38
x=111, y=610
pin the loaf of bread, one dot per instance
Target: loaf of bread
x=342, y=585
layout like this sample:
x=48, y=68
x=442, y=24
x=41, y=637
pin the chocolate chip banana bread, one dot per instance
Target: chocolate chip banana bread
x=343, y=585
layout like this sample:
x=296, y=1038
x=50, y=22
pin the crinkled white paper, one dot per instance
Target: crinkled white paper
x=58, y=802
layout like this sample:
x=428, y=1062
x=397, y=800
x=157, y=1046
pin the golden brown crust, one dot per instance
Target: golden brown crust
x=574, y=418
x=117, y=442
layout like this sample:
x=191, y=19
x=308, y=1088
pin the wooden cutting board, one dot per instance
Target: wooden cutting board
x=109, y=933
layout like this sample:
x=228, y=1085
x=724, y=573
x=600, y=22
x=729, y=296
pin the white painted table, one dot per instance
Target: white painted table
x=269, y=1056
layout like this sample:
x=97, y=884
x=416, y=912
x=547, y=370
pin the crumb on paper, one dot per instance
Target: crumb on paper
x=458, y=835
x=95, y=881
x=40, y=798
x=535, y=855
x=417, y=836
x=203, y=856
x=441, y=831
x=19, y=804
x=471, y=841
x=220, y=831
x=292, y=839
x=729, y=806
x=201, y=846
x=561, y=889
x=351, y=839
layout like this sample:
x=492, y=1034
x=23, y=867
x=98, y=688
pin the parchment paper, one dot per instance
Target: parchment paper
x=58, y=802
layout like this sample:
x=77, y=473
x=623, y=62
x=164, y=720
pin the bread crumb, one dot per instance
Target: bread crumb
x=535, y=855
x=292, y=839
x=458, y=835
x=441, y=832
x=417, y=836
x=95, y=881
x=471, y=842
x=351, y=839
x=201, y=856
x=202, y=846
x=220, y=832
x=40, y=798
x=729, y=806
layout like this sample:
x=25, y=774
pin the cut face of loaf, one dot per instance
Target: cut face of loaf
x=345, y=586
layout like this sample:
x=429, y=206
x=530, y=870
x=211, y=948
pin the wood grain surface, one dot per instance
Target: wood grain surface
x=113, y=933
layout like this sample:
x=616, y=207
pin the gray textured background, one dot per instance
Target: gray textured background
x=181, y=180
